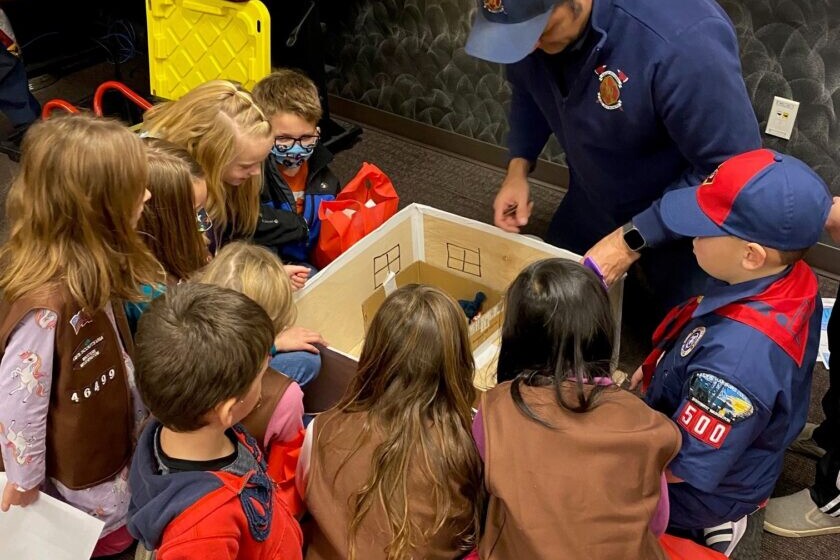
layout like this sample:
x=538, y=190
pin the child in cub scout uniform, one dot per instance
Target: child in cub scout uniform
x=16, y=101
x=68, y=407
x=733, y=366
x=200, y=485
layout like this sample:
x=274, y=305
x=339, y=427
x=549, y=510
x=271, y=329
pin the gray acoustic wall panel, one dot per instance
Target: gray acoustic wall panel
x=407, y=57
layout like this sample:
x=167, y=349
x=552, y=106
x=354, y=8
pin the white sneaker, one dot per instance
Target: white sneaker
x=798, y=516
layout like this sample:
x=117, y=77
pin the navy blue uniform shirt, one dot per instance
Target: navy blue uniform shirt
x=739, y=400
x=651, y=99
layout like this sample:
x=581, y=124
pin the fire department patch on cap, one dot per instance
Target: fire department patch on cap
x=494, y=6
x=691, y=341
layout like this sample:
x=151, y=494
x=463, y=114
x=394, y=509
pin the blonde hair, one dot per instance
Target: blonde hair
x=169, y=220
x=71, y=209
x=257, y=273
x=289, y=91
x=208, y=122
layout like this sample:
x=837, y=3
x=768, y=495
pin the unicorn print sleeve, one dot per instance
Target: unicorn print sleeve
x=25, y=380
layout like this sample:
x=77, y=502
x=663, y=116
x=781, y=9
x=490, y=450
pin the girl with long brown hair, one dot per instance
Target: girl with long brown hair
x=68, y=408
x=392, y=471
x=173, y=222
x=219, y=124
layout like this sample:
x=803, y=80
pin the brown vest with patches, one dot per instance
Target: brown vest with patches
x=274, y=385
x=327, y=497
x=90, y=422
x=585, y=489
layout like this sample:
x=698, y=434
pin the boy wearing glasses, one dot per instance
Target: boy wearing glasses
x=297, y=177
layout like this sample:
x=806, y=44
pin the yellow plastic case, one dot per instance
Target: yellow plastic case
x=193, y=41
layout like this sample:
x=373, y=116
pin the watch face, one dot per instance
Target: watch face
x=634, y=239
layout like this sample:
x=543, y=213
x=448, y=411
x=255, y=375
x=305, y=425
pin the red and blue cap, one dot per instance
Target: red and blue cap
x=506, y=31
x=760, y=196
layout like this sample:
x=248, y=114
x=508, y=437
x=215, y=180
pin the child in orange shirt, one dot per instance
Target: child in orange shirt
x=297, y=177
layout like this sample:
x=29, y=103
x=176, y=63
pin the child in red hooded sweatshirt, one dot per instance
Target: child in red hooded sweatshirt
x=201, y=488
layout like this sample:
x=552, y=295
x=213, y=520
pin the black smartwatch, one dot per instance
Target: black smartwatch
x=633, y=237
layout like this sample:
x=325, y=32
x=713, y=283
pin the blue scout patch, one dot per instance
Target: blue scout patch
x=720, y=397
x=712, y=407
x=691, y=341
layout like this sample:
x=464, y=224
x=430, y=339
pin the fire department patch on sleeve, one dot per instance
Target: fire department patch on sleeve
x=712, y=407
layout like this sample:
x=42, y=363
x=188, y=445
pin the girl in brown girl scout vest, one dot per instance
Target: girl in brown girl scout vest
x=68, y=406
x=573, y=464
x=392, y=472
x=276, y=422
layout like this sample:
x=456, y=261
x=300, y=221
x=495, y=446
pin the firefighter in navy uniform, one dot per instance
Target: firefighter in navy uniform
x=635, y=92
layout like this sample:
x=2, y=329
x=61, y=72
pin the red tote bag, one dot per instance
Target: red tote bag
x=364, y=204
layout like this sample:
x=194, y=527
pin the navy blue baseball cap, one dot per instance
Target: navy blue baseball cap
x=761, y=196
x=506, y=31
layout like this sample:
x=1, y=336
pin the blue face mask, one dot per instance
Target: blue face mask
x=293, y=157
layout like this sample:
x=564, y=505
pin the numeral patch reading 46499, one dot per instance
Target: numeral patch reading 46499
x=702, y=425
x=98, y=384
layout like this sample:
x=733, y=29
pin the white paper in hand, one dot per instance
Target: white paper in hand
x=47, y=528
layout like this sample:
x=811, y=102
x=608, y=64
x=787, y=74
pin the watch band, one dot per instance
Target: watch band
x=633, y=237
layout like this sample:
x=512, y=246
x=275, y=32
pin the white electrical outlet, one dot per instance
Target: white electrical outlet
x=782, y=116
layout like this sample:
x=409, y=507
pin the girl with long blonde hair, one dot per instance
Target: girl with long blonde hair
x=277, y=421
x=68, y=408
x=259, y=274
x=393, y=471
x=219, y=124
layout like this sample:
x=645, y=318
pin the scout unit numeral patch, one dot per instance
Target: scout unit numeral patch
x=713, y=405
x=609, y=92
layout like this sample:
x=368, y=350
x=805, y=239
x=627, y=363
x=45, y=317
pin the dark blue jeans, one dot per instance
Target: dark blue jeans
x=826, y=489
x=301, y=366
x=16, y=102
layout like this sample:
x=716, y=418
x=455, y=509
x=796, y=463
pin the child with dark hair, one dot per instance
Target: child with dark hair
x=201, y=488
x=556, y=421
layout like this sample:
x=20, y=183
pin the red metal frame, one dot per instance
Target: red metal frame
x=123, y=89
x=53, y=104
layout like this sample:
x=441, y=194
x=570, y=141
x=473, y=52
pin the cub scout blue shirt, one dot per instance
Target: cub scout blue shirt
x=650, y=99
x=739, y=400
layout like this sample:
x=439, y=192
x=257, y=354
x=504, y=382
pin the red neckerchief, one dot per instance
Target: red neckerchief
x=665, y=334
x=782, y=312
